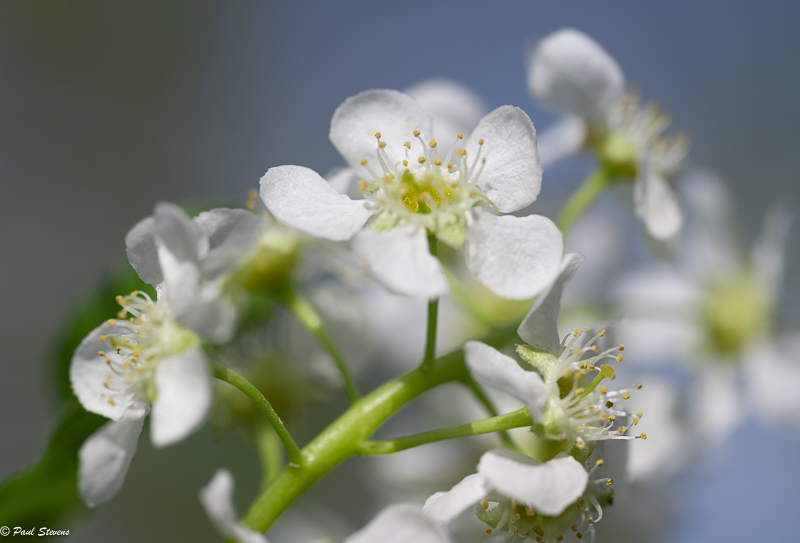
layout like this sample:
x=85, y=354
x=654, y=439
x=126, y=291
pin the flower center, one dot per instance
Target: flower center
x=577, y=408
x=137, y=343
x=735, y=312
x=427, y=191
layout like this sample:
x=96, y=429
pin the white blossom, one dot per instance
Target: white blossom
x=413, y=191
x=570, y=71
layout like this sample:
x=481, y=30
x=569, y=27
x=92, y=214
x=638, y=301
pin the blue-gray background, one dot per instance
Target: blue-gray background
x=108, y=107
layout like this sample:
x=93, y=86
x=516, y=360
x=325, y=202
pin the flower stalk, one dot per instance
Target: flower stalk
x=433, y=312
x=592, y=187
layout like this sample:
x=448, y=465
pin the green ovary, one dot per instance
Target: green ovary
x=734, y=313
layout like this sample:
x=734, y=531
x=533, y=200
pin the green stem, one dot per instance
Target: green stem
x=270, y=453
x=344, y=436
x=516, y=419
x=433, y=311
x=582, y=198
x=487, y=403
x=226, y=374
x=308, y=317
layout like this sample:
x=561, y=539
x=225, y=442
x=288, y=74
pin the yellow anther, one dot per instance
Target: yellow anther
x=485, y=505
x=602, y=390
x=621, y=347
x=364, y=161
x=583, y=365
x=612, y=418
x=101, y=353
x=609, y=404
x=589, y=521
x=599, y=462
x=610, y=482
x=619, y=358
x=488, y=531
x=103, y=339
x=437, y=161
x=529, y=512
x=516, y=517
x=450, y=165
x=638, y=386
x=514, y=530
x=567, y=373
x=595, y=349
x=576, y=333
x=421, y=160
x=602, y=333
x=603, y=416
x=378, y=135
x=574, y=527
x=578, y=391
x=576, y=351
x=432, y=143
x=640, y=415
x=460, y=136
x=592, y=367
x=559, y=538
x=580, y=445
x=111, y=322
x=579, y=535
x=513, y=504
x=643, y=436
x=635, y=421
x=480, y=141
x=111, y=401
x=461, y=152
x=405, y=163
x=362, y=185
x=136, y=292
x=108, y=361
x=625, y=395
x=382, y=144
x=416, y=133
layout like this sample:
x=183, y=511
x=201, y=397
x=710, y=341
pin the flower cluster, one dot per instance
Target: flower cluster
x=286, y=299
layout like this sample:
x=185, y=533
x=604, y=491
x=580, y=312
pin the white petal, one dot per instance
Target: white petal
x=344, y=181
x=394, y=114
x=491, y=367
x=178, y=234
x=770, y=366
x=88, y=372
x=549, y=488
x=444, y=507
x=401, y=261
x=453, y=107
x=212, y=315
x=300, y=198
x=562, y=139
x=540, y=326
x=769, y=252
x=656, y=204
x=569, y=70
x=231, y=234
x=399, y=523
x=140, y=243
x=105, y=457
x=181, y=280
x=217, y=500
x=511, y=177
x=183, y=397
x=710, y=245
x=720, y=410
x=515, y=257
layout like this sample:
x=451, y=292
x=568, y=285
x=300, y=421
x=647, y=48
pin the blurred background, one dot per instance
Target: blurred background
x=109, y=107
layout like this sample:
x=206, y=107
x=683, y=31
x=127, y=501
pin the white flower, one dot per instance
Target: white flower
x=413, y=191
x=715, y=311
x=122, y=368
x=398, y=523
x=519, y=496
x=561, y=403
x=570, y=71
x=185, y=258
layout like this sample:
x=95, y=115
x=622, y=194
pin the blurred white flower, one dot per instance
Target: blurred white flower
x=118, y=371
x=561, y=405
x=570, y=71
x=516, y=495
x=715, y=312
x=185, y=258
x=416, y=192
x=398, y=523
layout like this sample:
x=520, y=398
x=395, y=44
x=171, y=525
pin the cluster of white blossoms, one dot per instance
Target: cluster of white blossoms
x=227, y=280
